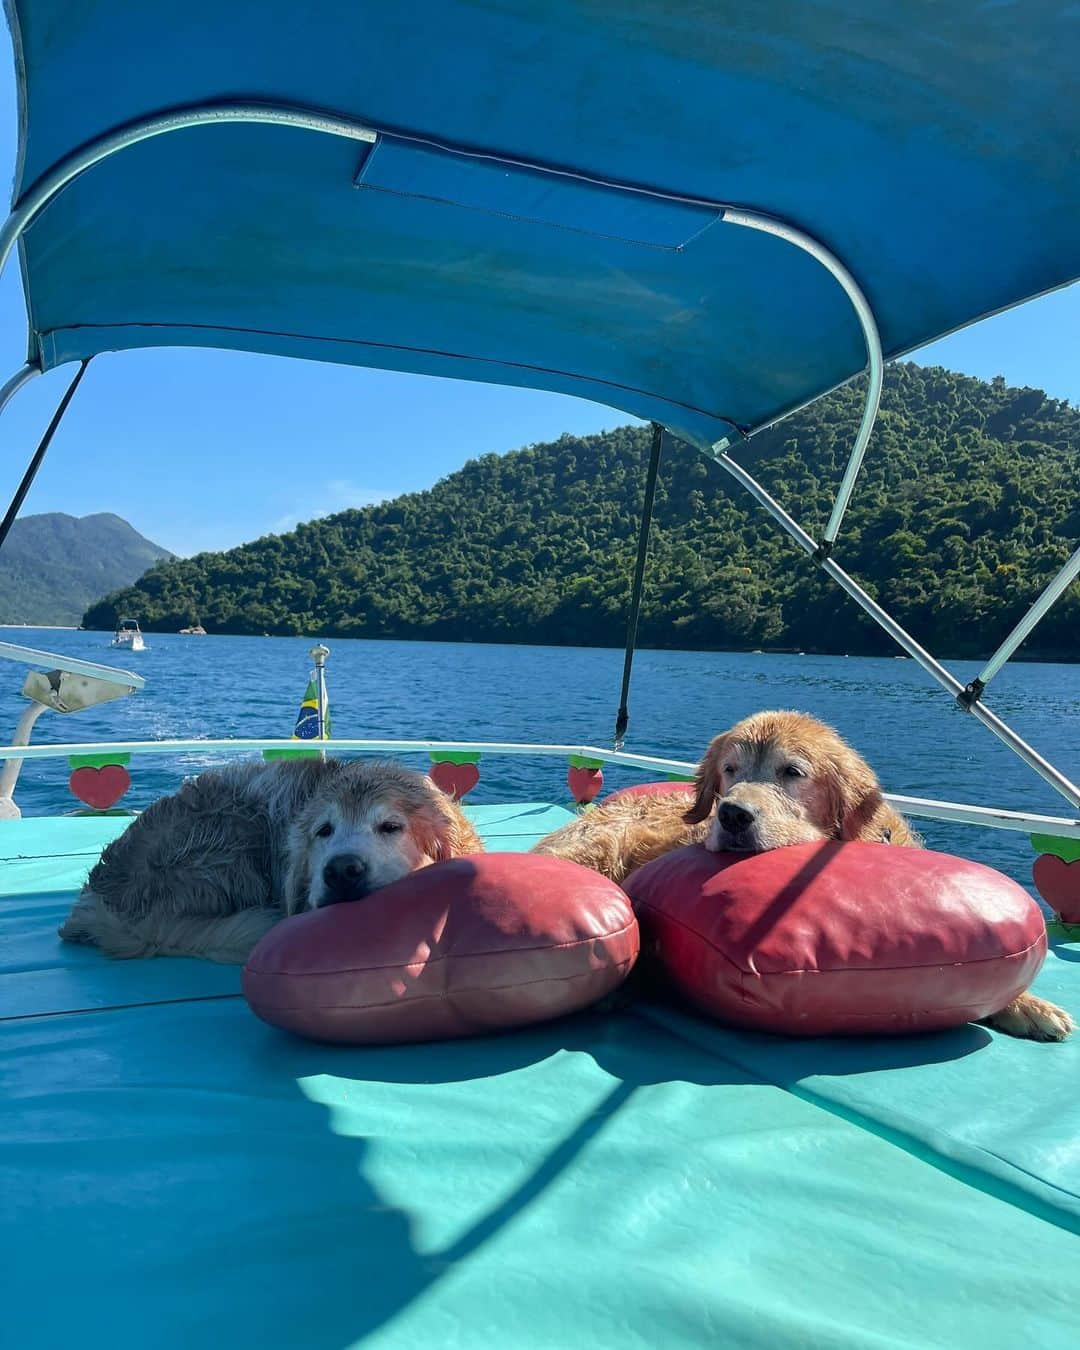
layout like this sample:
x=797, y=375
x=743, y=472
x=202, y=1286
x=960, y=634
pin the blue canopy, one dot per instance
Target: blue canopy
x=932, y=147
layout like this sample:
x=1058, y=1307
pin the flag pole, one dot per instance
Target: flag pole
x=318, y=654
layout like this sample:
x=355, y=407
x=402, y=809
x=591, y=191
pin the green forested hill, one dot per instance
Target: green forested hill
x=53, y=565
x=967, y=504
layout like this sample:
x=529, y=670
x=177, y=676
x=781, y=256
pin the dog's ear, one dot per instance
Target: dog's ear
x=449, y=832
x=462, y=839
x=432, y=822
x=855, y=794
x=707, y=782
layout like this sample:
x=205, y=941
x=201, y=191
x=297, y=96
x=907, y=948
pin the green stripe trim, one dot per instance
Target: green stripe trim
x=102, y=761
x=1068, y=850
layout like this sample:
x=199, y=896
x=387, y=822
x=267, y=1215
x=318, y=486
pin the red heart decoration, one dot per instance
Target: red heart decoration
x=1058, y=882
x=455, y=779
x=100, y=788
x=583, y=783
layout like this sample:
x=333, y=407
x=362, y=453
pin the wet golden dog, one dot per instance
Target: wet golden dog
x=211, y=868
x=774, y=779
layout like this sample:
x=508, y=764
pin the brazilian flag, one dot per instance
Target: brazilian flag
x=307, y=721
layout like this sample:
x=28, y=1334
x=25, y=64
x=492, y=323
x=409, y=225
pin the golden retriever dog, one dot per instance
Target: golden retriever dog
x=208, y=870
x=775, y=778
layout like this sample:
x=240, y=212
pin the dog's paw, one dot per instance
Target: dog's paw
x=77, y=927
x=1033, y=1019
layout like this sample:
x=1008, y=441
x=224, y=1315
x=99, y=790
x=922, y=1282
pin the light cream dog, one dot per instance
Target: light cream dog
x=208, y=870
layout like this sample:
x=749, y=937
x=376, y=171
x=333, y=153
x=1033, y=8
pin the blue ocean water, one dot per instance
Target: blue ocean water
x=918, y=742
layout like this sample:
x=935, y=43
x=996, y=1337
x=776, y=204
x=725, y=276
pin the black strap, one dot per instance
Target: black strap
x=39, y=454
x=622, y=719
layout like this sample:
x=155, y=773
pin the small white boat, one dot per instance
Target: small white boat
x=128, y=634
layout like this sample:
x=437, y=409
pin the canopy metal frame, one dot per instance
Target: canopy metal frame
x=38, y=196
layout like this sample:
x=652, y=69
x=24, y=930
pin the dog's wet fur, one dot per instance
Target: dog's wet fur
x=210, y=869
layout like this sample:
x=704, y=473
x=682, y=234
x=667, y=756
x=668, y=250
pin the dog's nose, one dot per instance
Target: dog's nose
x=345, y=878
x=734, y=818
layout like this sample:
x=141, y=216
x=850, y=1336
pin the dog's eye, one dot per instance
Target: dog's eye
x=792, y=771
x=324, y=831
x=730, y=768
x=391, y=827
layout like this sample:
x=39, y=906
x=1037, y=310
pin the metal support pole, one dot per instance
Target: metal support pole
x=754, y=220
x=11, y=387
x=1050, y=595
x=622, y=718
x=39, y=454
x=1004, y=733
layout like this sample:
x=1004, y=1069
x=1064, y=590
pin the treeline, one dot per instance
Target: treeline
x=966, y=506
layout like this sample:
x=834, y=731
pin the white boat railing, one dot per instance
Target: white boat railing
x=925, y=808
x=30, y=656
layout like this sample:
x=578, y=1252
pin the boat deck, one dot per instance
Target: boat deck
x=176, y=1173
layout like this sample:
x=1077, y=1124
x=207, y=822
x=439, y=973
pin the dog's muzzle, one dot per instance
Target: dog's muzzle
x=737, y=828
x=345, y=877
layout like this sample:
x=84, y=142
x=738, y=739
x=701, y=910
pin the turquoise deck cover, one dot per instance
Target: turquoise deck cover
x=174, y=1173
x=932, y=146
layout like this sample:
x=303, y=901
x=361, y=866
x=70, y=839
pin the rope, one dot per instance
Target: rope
x=39, y=454
x=622, y=719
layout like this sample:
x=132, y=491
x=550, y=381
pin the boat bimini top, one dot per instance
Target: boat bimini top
x=703, y=215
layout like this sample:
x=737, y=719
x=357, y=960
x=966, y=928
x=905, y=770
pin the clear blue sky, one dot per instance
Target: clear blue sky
x=208, y=449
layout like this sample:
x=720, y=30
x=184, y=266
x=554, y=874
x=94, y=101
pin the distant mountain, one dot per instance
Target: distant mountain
x=52, y=566
x=965, y=508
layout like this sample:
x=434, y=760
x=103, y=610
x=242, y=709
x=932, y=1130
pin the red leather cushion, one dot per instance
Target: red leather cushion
x=836, y=939
x=471, y=945
x=650, y=790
